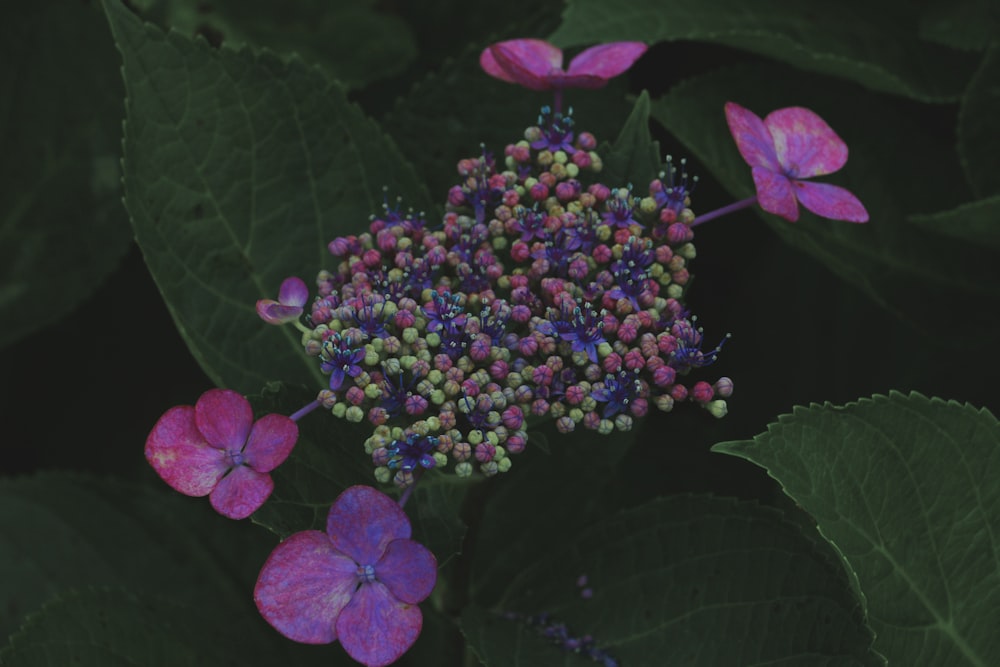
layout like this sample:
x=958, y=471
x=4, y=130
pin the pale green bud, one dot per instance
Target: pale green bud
x=440, y=460
x=687, y=251
x=383, y=475
x=410, y=334
x=354, y=414
x=463, y=469
x=338, y=410
x=605, y=426
x=717, y=408
x=503, y=465
x=475, y=437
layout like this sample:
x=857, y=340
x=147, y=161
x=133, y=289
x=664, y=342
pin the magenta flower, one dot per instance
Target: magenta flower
x=358, y=582
x=216, y=449
x=292, y=296
x=537, y=65
x=789, y=145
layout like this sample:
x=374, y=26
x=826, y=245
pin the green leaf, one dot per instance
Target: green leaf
x=979, y=126
x=62, y=228
x=240, y=167
x=977, y=222
x=691, y=580
x=356, y=42
x=449, y=114
x=855, y=41
x=886, y=258
x=905, y=488
x=634, y=157
x=61, y=530
x=961, y=24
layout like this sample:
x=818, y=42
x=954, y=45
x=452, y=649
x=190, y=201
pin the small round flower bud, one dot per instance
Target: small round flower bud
x=463, y=469
x=724, y=387
x=605, y=426
x=339, y=410
x=503, y=465
x=717, y=408
x=687, y=251
x=440, y=460
x=354, y=414
x=702, y=392
x=383, y=475
x=623, y=423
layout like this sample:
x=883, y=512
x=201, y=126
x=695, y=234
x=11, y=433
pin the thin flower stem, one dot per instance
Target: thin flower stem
x=725, y=210
x=302, y=412
x=557, y=100
x=408, y=491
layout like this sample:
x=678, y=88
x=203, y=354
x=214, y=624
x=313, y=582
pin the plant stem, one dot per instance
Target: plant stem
x=725, y=210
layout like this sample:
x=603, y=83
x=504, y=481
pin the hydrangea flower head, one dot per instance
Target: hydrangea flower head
x=359, y=582
x=215, y=448
x=787, y=146
x=292, y=297
x=538, y=65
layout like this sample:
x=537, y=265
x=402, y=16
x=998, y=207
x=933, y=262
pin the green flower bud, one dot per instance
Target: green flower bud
x=440, y=460
x=371, y=354
x=463, y=469
x=687, y=251
x=475, y=437
x=438, y=397
x=604, y=349
x=410, y=334
x=605, y=426
x=675, y=291
x=623, y=422
x=383, y=475
x=339, y=410
x=433, y=340
x=503, y=465
x=576, y=414
x=354, y=414
x=717, y=408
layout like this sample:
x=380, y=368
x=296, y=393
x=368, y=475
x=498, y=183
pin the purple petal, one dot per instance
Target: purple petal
x=179, y=454
x=271, y=440
x=527, y=62
x=241, y=493
x=830, y=201
x=804, y=143
x=293, y=292
x=303, y=587
x=408, y=569
x=606, y=61
x=583, y=81
x=273, y=312
x=752, y=138
x=336, y=378
x=362, y=521
x=775, y=193
x=224, y=417
x=375, y=628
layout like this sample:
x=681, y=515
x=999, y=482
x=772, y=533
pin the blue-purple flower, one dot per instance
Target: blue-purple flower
x=359, y=582
x=413, y=452
x=341, y=360
x=618, y=392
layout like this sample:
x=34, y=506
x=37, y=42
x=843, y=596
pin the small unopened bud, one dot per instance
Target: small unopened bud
x=717, y=408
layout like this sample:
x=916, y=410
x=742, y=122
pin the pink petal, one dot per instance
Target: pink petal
x=804, y=143
x=375, y=628
x=408, y=569
x=752, y=138
x=293, y=292
x=775, y=194
x=271, y=441
x=583, y=81
x=830, y=201
x=606, y=61
x=224, y=417
x=273, y=312
x=303, y=587
x=241, y=493
x=527, y=62
x=362, y=521
x=179, y=454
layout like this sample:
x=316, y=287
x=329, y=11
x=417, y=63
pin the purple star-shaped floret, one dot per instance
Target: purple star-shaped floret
x=359, y=582
x=789, y=145
x=688, y=353
x=341, y=360
x=292, y=296
x=582, y=327
x=444, y=312
x=618, y=392
x=530, y=224
x=619, y=210
x=415, y=451
x=215, y=448
x=557, y=131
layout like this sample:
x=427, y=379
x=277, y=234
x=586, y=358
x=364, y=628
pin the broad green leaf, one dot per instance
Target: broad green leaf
x=62, y=228
x=855, y=41
x=543, y=501
x=240, y=167
x=62, y=530
x=978, y=222
x=633, y=157
x=355, y=42
x=685, y=580
x=905, y=487
x=888, y=256
x=458, y=111
x=961, y=24
x=979, y=127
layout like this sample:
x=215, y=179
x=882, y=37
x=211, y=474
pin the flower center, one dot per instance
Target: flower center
x=236, y=457
x=366, y=573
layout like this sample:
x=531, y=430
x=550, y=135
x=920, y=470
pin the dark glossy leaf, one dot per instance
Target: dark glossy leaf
x=888, y=257
x=905, y=488
x=687, y=580
x=239, y=168
x=633, y=157
x=979, y=127
x=977, y=222
x=62, y=227
x=961, y=24
x=856, y=41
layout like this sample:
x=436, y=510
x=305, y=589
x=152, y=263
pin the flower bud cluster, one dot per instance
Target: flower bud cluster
x=542, y=294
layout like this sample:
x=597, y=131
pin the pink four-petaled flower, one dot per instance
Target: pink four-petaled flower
x=292, y=296
x=359, y=582
x=216, y=449
x=787, y=146
x=538, y=65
